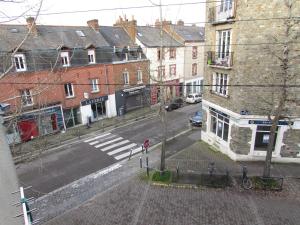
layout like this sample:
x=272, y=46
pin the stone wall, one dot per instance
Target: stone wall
x=254, y=48
x=204, y=121
x=291, y=140
x=240, y=138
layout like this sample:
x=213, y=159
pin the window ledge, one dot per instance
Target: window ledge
x=219, y=95
x=223, y=21
x=220, y=67
x=93, y=92
x=70, y=97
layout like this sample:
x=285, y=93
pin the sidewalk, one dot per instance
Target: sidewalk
x=122, y=197
x=133, y=201
x=31, y=149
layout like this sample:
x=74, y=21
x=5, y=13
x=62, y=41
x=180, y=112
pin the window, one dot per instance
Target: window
x=95, y=86
x=159, y=54
x=223, y=45
x=26, y=97
x=194, y=69
x=20, y=64
x=65, y=61
x=139, y=76
x=262, y=138
x=126, y=77
x=91, y=56
x=172, y=70
x=220, y=82
x=219, y=124
x=194, y=52
x=172, y=53
x=225, y=5
x=80, y=33
x=161, y=71
x=69, y=91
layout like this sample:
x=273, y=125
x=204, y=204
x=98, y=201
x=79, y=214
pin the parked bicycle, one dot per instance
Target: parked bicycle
x=246, y=181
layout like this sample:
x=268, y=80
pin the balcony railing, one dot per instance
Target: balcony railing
x=221, y=59
x=222, y=13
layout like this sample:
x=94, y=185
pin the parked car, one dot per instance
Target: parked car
x=196, y=119
x=193, y=98
x=174, y=104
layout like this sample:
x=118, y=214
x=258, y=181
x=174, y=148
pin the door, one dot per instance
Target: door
x=28, y=129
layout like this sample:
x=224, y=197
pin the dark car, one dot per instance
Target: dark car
x=174, y=104
x=196, y=119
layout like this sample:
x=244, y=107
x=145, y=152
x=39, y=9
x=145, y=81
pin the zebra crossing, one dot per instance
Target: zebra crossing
x=114, y=145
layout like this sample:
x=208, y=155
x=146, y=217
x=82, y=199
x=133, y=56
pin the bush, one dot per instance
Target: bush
x=165, y=177
x=267, y=183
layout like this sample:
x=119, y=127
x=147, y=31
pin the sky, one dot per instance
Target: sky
x=16, y=13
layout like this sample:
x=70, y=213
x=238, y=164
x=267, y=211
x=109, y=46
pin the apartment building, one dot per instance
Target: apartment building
x=244, y=46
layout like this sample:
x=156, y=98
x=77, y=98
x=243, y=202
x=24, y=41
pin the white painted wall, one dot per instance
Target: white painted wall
x=86, y=111
x=111, y=106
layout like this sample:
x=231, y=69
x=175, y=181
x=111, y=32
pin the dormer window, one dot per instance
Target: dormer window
x=65, y=60
x=91, y=56
x=20, y=63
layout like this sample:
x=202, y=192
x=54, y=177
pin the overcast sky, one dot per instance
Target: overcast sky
x=188, y=13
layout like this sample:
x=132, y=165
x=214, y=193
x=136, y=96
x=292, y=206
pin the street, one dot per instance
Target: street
x=63, y=166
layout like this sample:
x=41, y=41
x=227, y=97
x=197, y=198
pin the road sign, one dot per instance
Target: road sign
x=146, y=143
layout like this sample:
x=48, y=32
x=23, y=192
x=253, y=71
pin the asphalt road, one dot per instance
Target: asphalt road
x=58, y=168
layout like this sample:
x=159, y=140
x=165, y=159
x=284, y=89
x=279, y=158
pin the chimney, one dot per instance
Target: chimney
x=165, y=23
x=94, y=25
x=128, y=25
x=180, y=23
x=31, y=25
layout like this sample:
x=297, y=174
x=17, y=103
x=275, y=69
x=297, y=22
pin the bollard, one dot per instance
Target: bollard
x=143, y=149
x=177, y=170
x=147, y=164
x=141, y=162
x=130, y=154
x=146, y=150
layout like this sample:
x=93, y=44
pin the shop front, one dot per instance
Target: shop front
x=94, y=109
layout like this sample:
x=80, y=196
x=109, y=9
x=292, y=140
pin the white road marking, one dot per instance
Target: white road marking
x=109, y=169
x=108, y=142
x=124, y=155
x=115, y=145
x=121, y=149
x=94, y=142
x=100, y=136
x=102, y=139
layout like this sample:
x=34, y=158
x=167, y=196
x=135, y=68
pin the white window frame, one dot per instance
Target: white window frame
x=65, y=59
x=126, y=77
x=172, y=69
x=223, y=43
x=221, y=120
x=194, y=52
x=220, y=84
x=194, y=71
x=26, y=97
x=20, y=62
x=91, y=56
x=95, y=85
x=69, y=90
x=139, y=76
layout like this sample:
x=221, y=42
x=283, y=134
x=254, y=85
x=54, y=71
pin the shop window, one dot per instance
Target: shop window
x=262, y=138
x=26, y=97
x=95, y=85
x=219, y=124
x=72, y=117
x=69, y=90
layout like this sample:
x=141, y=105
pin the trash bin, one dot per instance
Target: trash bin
x=121, y=111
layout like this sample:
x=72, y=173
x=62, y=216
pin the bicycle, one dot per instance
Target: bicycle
x=246, y=181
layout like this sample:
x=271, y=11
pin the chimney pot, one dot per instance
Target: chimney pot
x=180, y=22
x=31, y=25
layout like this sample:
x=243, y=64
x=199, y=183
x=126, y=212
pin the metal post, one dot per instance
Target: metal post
x=141, y=162
x=147, y=164
x=24, y=208
x=130, y=154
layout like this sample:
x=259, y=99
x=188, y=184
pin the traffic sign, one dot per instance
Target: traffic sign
x=146, y=143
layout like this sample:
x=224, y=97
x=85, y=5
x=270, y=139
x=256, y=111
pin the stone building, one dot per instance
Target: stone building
x=244, y=46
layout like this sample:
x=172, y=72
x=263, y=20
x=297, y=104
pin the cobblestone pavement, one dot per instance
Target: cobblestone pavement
x=133, y=201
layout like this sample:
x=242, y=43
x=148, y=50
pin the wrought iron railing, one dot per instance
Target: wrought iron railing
x=224, y=59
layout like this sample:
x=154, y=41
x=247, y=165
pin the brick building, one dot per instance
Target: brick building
x=244, y=44
x=62, y=76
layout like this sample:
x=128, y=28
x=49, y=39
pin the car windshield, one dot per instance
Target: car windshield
x=198, y=113
x=190, y=96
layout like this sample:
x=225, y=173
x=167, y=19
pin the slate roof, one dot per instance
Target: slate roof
x=49, y=37
x=190, y=33
x=150, y=37
x=116, y=36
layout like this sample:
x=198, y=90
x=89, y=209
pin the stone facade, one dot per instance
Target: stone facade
x=241, y=137
x=204, y=119
x=291, y=140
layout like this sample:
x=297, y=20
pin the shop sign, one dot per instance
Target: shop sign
x=268, y=122
x=94, y=100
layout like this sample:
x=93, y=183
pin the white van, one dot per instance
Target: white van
x=193, y=98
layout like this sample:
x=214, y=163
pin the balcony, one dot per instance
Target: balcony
x=223, y=13
x=220, y=59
